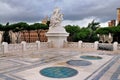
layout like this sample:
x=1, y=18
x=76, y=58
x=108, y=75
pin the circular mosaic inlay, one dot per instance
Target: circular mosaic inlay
x=79, y=62
x=58, y=72
x=91, y=57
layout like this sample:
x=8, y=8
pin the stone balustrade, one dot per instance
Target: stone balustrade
x=23, y=46
x=87, y=45
x=1, y=49
x=14, y=47
x=80, y=44
x=31, y=46
x=45, y=44
x=72, y=44
x=118, y=46
x=96, y=45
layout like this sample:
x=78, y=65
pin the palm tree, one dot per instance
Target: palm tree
x=93, y=26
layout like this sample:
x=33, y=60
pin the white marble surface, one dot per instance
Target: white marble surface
x=83, y=71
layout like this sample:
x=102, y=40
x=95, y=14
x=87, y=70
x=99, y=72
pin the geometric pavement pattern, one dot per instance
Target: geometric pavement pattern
x=11, y=65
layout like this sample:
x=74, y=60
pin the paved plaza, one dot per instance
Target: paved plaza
x=27, y=65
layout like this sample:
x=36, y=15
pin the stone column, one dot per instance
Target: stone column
x=79, y=44
x=23, y=46
x=5, y=47
x=38, y=45
x=96, y=45
x=115, y=46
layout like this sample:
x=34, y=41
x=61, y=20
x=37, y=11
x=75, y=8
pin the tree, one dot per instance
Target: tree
x=107, y=30
x=118, y=24
x=18, y=28
x=1, y=27
x=39, y=27
x=72, y=30
x=6, y=36
x=115, y=31
x=82, y=35
x=28, y=28
x=93, y=26
x=48, y=23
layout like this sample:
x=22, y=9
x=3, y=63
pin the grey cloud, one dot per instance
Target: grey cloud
x=35, y=10
x=101, y=9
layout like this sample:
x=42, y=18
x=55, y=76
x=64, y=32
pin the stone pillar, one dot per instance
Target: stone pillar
x=5, y=47
x=79, y=44
x=115, y=46
x=38, y=45
x=96, y=45
x=23, y=46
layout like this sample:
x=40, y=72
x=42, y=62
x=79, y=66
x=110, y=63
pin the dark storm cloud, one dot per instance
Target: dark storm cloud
x=35, y=10
x=28, y=10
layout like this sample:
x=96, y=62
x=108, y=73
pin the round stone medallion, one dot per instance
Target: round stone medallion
x=91, y=57
x=78, y=63
x=58, y=72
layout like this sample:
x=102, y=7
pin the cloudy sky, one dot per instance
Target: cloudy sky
x=76, y=12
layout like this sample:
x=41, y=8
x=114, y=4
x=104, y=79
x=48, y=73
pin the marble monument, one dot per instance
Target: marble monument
x=56, y=32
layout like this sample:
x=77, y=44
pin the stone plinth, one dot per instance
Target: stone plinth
x=57, y=36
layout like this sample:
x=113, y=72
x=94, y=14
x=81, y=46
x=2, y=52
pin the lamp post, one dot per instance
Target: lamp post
x=103, y=38
x=110, y=35
x=109, y=38
x=98, y=35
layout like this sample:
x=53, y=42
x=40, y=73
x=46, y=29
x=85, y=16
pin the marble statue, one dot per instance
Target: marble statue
x=57, y=34
x=56, y=18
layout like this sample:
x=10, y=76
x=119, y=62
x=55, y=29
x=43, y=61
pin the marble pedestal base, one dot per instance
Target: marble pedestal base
x=57, y=36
